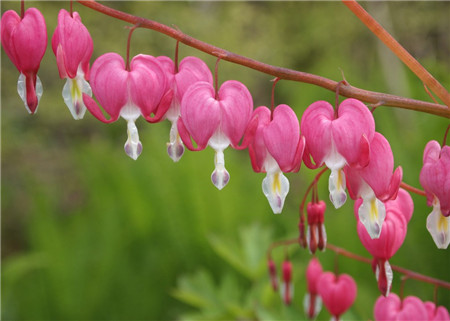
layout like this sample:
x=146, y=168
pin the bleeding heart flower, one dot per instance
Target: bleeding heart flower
x=276, y=147
x=398, y=213
x=436, y=313
x=24, y=41
x=217, y=120
x=190, y=71
x=435, y=179
x=287, y=287
x=391, y=308
x=312, y=302
x=337, y=140
x=128, y=93
x=72, y=45
x=337, y=292
x=316, y=236
x=375, y=184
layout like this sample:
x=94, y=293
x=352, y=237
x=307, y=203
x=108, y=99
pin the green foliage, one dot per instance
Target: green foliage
x=89, y=234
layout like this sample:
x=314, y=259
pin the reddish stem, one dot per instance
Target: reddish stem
x=445, y=136
x=399, y=51
x=412, y=189
x=283, y=73
x=336, y=103
x=272, y=101
x=176, y=57
x=128, y=45
x=22, y=8
x=316, y=179
x=71, y=8
x=216, y=77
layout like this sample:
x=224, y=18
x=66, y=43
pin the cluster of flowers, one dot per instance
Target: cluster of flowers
x=156, y=88
x=339, y=292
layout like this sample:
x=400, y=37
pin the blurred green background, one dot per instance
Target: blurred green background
x=89, y=234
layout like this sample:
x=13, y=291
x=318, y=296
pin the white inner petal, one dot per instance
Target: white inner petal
x=275, y=187
x=22, y=90
x=133, y=146
x=372, y=212
x=175, y=147
x=220, y=176
x=439, y=226
x=336, y=186
x=73, y=94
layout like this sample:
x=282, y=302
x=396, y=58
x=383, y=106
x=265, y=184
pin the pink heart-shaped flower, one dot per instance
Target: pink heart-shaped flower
x=337, y=292
x=391, y=308
x=435, y=175
x=72, y=44
x=348, y=134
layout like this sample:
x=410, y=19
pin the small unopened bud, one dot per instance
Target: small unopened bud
x=287, y=289
x=273, y=274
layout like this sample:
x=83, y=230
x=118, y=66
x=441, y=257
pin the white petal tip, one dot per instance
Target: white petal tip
x=175, y=151
x=439, y=227
x=220, y=178
x=275, y=187
x=133, y=149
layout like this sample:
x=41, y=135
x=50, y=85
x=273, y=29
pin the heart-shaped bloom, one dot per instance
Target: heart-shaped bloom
x=189, y=71
x=337, y=292
x=276, y=147
x=436, y=313
x=337, y=141
x=287, y=287
x=398, y=213
x=217, y=120
x=435, y=179
x=24, y=41
x=72, y=45
x=128, y=93
x=316, y=236
x=312, y=302
x=391, y=308
x=375, y=184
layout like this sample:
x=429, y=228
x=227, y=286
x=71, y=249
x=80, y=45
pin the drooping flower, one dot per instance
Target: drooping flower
x=276, y=147
x=316, y=236
x=217, y=120
x=287, y=287
x=312, y=302
x=273, y=274
x=435, y=313
x=72, y=45
x=435, y=179
x=398, y=214
x=391, y=308
x=128, y=93
x=375, y=184
x=25, y=41
x=337, y=292
x=337, y=140
x=189, y=71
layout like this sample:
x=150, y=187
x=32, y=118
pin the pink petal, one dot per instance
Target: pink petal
x=236, y=106
x=200, y=112
x=354, y=121
x=282, y=137
x=435, y=175
x=338, y=293
x=391, y=308
x=147, y=83
x=402, y=205
x=109, y=82
x=313, y=273
x=191, y=70
x=95, y=110
x=378, y=173
x=316, y=127
x=257, y=149
x=436, y=313
x=75, y=41
x=25, y=41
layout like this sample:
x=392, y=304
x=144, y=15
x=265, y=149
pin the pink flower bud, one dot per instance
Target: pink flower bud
x=316, y=236
x=273, y=274
x=287, y=289
x=312, y=302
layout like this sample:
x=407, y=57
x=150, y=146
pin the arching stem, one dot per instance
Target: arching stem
x=272, y=100
x=129, y=42
x=22, y=8
x=176, y=57
x=216, y=77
